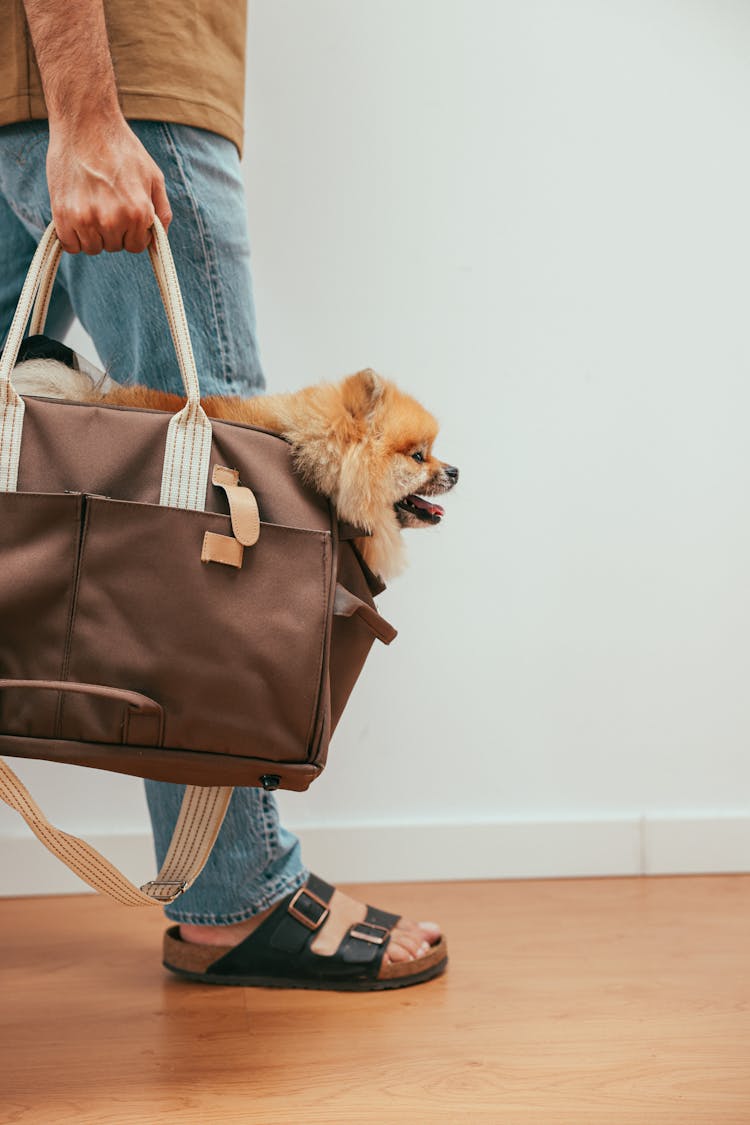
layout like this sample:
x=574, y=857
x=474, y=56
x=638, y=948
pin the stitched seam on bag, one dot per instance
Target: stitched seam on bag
x=6, y=479
x=170, y=443
x=318, y=682
x=194, y=431
x=8, y=441
x=81, y=513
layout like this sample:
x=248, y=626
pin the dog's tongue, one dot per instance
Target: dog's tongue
x=433, y=509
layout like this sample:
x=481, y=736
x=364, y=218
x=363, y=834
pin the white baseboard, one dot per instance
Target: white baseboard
x=666, y=845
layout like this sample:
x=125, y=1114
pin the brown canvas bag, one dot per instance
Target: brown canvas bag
x=174, y=602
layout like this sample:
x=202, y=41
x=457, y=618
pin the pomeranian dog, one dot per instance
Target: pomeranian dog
x=362, y=442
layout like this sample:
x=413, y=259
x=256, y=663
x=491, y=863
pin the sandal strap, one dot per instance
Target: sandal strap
x=304, y=913
x=280, y=947
x=366, y=942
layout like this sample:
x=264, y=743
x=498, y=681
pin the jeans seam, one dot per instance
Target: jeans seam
x=209, y=255
x=270, y=822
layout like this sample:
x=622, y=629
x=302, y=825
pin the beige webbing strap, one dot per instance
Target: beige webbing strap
x=188, y=451
x=41, y=305
x=201, y=815
x=11, y=404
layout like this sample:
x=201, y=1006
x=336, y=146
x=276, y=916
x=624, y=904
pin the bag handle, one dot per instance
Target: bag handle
x=188, y=445
x=201, y=815
x=137, y=707
x=47, y=281
x=142, y=704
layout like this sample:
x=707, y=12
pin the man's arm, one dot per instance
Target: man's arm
x=103, y=185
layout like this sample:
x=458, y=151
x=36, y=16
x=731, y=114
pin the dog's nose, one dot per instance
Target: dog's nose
x=451, y=472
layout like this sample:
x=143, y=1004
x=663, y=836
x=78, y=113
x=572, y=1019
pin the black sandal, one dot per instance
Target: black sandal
x=278, y=954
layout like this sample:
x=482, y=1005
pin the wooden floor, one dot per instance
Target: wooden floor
x=566, y=1003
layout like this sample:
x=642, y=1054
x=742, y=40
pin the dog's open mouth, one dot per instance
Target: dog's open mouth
x=416, y=507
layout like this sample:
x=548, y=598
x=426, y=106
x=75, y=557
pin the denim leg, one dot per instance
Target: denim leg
x=17, y=246
x=255, y=861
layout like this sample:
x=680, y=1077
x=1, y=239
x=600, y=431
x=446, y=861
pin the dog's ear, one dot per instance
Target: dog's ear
x=362, y=392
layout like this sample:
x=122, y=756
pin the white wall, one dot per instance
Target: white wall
x=533, y=215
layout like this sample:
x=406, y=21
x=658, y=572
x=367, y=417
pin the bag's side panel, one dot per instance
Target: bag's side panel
x=39, y=539
x=351, y=640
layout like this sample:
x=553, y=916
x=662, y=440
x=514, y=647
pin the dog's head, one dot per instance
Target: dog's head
x=376, y=464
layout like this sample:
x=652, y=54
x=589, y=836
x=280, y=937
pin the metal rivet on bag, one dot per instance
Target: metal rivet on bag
x=270, y=781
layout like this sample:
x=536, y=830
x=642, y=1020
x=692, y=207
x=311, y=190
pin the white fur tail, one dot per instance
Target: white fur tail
x=51, y=379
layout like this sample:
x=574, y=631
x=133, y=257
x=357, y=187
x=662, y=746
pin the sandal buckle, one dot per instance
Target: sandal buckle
x=305, y=919
x=358, y=931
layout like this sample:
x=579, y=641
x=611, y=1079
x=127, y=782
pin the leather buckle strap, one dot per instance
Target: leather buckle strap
x=368, y=931
x=308, y=909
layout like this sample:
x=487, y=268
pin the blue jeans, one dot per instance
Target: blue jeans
x=255, y=861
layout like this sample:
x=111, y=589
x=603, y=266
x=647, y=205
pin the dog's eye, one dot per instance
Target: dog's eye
x=418, y=457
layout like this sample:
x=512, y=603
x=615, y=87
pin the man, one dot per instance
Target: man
x=138, y=116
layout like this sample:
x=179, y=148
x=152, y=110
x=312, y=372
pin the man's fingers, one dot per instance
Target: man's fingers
x=113, y=221
x=68, y=237
x=137, y=238
x=127, y=228
x=91, y=240
x=112, y=239
x=160, y=201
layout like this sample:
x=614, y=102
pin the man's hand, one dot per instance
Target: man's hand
x=104, y=187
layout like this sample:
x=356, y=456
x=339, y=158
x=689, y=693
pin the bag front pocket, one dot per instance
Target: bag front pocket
x=233, y=656
x=39, y=540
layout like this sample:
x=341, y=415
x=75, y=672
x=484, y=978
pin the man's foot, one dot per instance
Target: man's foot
x=408, y=939
x=317, y=937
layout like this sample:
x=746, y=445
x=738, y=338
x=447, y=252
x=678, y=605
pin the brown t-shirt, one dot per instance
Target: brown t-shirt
x=174, y=60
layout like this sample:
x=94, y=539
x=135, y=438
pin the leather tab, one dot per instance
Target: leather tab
x=243, y=507
x=222, y=549
x=347, y=604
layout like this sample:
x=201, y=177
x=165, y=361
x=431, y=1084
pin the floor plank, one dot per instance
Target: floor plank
x=568, y=1002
